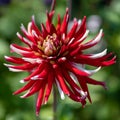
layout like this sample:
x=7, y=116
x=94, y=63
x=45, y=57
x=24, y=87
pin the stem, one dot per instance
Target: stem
x=54, y=103
x=53, y=5
x=36, y=95
x=37, y=118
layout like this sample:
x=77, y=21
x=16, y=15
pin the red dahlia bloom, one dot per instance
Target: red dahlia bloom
x=54, y=56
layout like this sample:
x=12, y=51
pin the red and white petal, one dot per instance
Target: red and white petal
x=98, y=55
x=25, y=67
x=18, y=49
x=35, y=88
x=25, y=40
x=24, y=88
x=36, y=72
x=15, y=60
x=40, y=99
x=89, y=72
x=33, y=60
x=60, y=90
x=92, y=42
x=50, y=83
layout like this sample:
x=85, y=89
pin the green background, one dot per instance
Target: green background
x=106, y=103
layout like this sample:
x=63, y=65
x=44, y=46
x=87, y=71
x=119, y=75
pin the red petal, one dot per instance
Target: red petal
x=39, y=100
x=59, y=23
x=26, y=66
x=93, y=42
x=64, y=24
x=44, y=31
x=83, y=84
x=61, y=81
x=69, y=79
x=15, y=60
x=38, y=70
x=35, y=88
x=26, y=87
x=49, y=86
x=73, y=69
x=81, y=30
x=34, y=26
x=73, y=30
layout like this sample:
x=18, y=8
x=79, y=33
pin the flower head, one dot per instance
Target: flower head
x=55, y=56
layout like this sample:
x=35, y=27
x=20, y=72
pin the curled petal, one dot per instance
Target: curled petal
x=92, y=42
x=73, y=69
x=98, y=55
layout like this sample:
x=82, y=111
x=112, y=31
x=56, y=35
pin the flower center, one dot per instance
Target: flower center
x=50, y=45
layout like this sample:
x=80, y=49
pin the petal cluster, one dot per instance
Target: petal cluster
x=55, y=56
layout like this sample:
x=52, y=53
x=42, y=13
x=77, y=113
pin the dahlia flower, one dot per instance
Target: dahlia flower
x=54, y=56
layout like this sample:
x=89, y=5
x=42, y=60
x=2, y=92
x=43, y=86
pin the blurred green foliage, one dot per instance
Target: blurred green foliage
x=106, y=103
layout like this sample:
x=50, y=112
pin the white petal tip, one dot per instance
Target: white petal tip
x=22, y=81
x=34, y=77
x=84, y=95
x=21, y=96
x=45, y=102
x=14, y=70
x=6, y=57
x=5, y=64
x=101, y=30
x=98, y=55
x=18, y=34
x=62, y=96
x=91, y=72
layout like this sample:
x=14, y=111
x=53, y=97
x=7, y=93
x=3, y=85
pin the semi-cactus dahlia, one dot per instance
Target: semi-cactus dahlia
x=55, y=56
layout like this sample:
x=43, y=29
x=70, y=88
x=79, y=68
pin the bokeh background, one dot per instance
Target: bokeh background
x=100, y=14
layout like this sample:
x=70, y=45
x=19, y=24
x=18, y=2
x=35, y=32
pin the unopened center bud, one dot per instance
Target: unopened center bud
x=50, y=45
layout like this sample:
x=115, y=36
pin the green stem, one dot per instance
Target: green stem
x=37, y=118
x=54, y=103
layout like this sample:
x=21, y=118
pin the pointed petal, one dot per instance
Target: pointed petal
x=75, y=70
x=26, y=87
x=60, y=90
x=35, y=88
x=98, y=55
x=92, y=42
x=61, y=81
x=39, y=100
x=15, y=60
x=64, y=24
x=50, y=81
